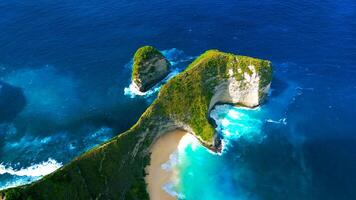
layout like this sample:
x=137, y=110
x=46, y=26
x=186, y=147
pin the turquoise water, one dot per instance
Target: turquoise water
x=65, y=76
x=243, y=170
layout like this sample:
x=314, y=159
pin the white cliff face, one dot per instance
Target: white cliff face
x=246, y=92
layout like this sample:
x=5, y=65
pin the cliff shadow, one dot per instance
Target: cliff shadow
x=12, y=102
x=278, y=86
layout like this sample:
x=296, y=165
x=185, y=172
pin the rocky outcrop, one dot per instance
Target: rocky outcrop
x=115, y=169
x=149, y=67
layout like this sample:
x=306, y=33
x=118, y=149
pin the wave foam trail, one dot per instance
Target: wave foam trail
x=170, y=189
x=20, y=180
x=280, y=121
x=188, y=140
x=244, y=134
x=36, y=170
x=173, y=161
x=235, y=122
x=175, y=57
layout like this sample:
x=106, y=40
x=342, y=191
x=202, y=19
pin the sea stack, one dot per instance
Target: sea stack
x=116, y=169
x=149, y=67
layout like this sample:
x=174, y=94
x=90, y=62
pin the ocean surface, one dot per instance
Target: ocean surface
x=64, y=87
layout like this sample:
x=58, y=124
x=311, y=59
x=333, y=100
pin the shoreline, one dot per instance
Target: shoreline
x=157, y=177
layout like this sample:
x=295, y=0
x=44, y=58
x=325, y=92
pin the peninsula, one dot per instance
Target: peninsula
x=116, y=169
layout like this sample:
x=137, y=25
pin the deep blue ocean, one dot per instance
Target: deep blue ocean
x=64, y=67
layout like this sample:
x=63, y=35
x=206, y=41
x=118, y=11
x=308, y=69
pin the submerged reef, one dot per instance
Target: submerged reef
x=149, y=67
x=115, y=169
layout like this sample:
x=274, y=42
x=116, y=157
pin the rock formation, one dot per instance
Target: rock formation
x=149, y=67
x=115, y=169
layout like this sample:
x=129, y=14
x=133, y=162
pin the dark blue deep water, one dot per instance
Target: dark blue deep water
x=64, y=66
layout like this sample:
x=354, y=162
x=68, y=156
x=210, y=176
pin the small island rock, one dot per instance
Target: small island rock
x=149, y=67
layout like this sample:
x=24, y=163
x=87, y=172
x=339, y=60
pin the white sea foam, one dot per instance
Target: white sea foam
x=29, y=145
x=235, y=122
x=95, y=137
x=172, y=161
x=19, y=180
x=227, y=133
x=132, y=91
x=247, y=108
x=170, y=189
x=225, y=122
x=176, y=56
x=101, y=134
x=71, y=146
x=188, y=140
x=27, y=141
x=36, y=170
x=280, y=121
x=234, y=114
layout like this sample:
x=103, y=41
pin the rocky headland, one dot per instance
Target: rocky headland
x=116, y=168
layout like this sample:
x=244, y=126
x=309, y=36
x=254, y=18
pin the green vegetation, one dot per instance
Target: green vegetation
x=142, y=55
x=115, y=169
x=186, y=98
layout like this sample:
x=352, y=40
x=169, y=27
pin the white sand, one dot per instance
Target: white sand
x=157, y=177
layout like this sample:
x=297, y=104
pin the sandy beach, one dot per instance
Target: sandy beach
x=157, y=177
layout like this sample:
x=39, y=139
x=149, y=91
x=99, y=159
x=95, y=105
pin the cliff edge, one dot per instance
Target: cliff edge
x=115, y=169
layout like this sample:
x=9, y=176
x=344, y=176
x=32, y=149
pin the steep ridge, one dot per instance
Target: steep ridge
x=115, y=169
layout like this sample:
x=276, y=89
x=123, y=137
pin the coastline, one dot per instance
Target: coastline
x=182, y=102
x=156, y=176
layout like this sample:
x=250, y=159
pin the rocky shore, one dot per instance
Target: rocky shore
x=116, y=168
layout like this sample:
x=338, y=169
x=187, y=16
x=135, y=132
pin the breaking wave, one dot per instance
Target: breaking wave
x=244, y=134
x=173, y=161
x=236, y=122
x=280, y=121
x=29, y=174
x=60, y=147
x=35, y=170
x=170, y=189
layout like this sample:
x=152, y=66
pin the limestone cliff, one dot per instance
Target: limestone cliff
x=149, y=67
x=115, y=169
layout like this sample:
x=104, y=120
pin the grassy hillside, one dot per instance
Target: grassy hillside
x=115, y=169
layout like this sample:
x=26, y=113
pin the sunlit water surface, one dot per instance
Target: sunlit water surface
x=65, y=76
